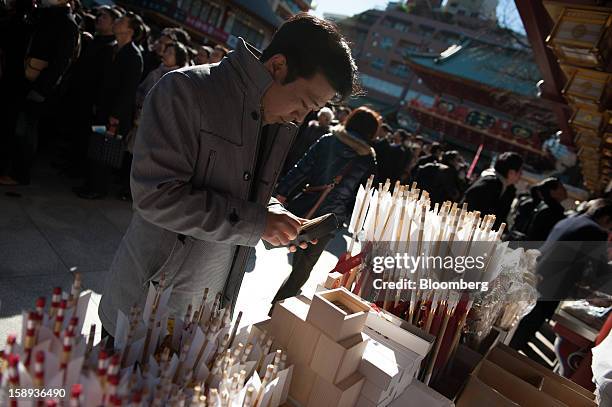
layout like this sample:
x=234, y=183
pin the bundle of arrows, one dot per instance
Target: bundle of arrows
x=200, y=360
x=401, y=232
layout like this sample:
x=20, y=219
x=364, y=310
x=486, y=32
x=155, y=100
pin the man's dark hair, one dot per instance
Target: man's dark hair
x=181, y=54
x=112, y=12
x=403, y=134
x=508, y=161
x=206, y=49
x=449, y=157
x=598, y=208
x=181, y=35
x=386, y=128
x=436, y=148
x=222, y=49
x=136, y=24
x=548, y=185
x=312, y=45
x=119, y=9
x=363, y=121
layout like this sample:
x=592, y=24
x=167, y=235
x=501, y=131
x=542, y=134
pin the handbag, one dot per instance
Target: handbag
x=105, y=148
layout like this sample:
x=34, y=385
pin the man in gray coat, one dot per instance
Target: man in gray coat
x=210, y=145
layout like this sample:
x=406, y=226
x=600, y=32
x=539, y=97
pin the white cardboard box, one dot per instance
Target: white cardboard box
x=400, y=332
x=335, y=361
x=374, y=393
x=302, y=382
x=284, y=318
x=418, y=394
x=339, y=313
x=379, y=365
x=344, y=394
x=301, y=346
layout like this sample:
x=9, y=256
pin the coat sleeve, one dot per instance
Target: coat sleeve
x=165, y=156
x=50, y=77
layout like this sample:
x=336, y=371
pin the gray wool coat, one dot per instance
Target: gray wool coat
x=198, y=209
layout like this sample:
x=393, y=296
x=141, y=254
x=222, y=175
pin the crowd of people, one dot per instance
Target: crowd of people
x=401, y=155
x=87, y=68
x=65, y=69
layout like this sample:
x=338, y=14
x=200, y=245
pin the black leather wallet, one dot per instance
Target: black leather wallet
x=311, y=230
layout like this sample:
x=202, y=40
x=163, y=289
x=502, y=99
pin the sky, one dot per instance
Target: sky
x=506, y=10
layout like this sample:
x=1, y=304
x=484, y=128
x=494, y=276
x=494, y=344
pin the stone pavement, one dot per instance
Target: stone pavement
x=47, y=234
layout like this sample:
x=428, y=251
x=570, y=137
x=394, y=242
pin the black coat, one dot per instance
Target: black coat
x=84, y=83
x=326, y=159
x=118, y=93
x=575, y=251
x=55, y=40
x=385, y=160
x=488, y=196
x=545, y=217
x=441, y=181
x=303, y=142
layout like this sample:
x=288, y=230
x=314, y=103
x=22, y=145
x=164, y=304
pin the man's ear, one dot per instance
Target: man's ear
x=277, y=66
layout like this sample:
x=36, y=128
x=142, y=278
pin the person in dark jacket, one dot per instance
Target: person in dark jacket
x=441, y=179
x=383, y=153
x=315, y=129
x=399, y=155
x=435, y=155
x=494, y=191
x=52, y=49
x=521, y=213
x=346, y=157
x=549, y=211
x=85, y=84
x=575, y=251
x=116, y=104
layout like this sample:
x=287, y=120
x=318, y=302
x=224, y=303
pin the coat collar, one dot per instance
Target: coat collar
x=353, y=140
x=245, y=60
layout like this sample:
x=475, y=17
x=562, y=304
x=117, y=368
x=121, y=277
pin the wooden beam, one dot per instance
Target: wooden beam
x=538, y=25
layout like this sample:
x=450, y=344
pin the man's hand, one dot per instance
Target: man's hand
x=304, y=245
x=281, y=199
x=281, y=227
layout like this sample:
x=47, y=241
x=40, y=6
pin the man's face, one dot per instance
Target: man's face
x=397, y=138
x=121, y=28
x=202, y=57
x=514, y=176
x=291, y=102
x=559, y=193
x=169, y=57
x=104, y=23
x=324, y=120
x=160, y=45
x=216, y=56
